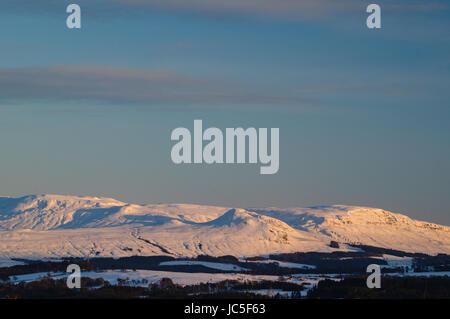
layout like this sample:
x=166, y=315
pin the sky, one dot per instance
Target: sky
x=364, y=115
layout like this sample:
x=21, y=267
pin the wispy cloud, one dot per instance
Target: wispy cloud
x=290, y=9
x=297, y=9
x=124, y=85
x=277, y=8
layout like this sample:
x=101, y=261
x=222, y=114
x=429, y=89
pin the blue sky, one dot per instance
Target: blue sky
x=363, y=114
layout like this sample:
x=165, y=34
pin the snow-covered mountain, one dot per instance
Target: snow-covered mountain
x=58, y=226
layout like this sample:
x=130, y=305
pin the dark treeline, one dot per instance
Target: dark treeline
x=40, y=266
x=440, y=262
x=354, y=262
x=48, y=288
x=349, y=288
x=380, y=251
x=391, y=288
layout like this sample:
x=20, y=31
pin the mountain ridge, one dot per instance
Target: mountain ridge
x=58, y=226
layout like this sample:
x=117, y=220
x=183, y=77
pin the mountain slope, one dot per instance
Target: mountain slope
x=368, y=226
x=56, y=226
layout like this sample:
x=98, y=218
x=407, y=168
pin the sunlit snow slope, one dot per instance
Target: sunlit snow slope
x=58, y=226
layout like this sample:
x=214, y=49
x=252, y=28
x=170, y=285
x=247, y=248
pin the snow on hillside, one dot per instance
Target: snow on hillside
x=369, y=226
x=54, y=226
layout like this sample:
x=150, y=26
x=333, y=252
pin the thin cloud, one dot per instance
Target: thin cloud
x=123, y=85
x=297, y=9
x=274, y=8
x=284, y=9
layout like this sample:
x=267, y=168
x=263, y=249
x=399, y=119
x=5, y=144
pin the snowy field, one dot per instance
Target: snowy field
x=395, y=262
x=142, y=278
x=283, y=264
x=212, y=265
x=7, y=262
x=145, y=277
x=422, y=274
